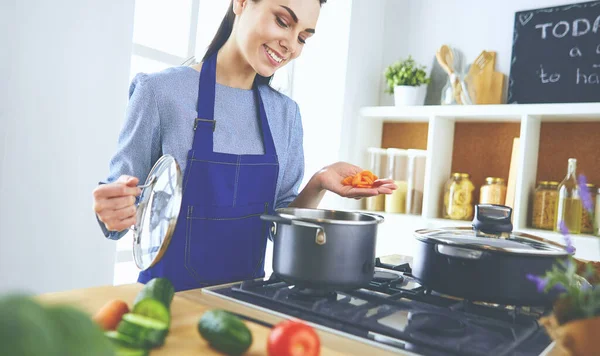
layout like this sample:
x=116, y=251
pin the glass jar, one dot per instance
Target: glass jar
x=545, y=200
x=378, y=166
x=397, y=170
x=493, y=191
x=458, y=197
x=597, y=219
x=587, y=218
x=416, y=181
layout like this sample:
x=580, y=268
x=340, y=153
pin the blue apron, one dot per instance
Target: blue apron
x=219, y=237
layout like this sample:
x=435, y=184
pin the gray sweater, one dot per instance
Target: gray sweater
x=160, y=117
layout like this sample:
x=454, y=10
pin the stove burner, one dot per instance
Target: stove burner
x=436, y=324
x=386, y=277
x=307, y=293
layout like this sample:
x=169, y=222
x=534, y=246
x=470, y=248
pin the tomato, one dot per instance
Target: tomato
x=293, y=338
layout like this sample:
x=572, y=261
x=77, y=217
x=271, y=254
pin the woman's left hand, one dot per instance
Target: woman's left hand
x=331, y=178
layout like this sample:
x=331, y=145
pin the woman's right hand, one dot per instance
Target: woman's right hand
x=114, y=203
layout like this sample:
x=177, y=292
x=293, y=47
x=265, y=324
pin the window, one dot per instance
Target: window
x=167, y=34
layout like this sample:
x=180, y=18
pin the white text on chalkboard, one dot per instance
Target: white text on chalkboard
x=587, y=79
x=579, y=27
x=552, y=78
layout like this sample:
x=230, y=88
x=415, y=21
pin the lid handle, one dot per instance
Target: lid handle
x=492, y=218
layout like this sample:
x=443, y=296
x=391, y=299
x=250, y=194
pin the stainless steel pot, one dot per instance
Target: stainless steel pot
x=486, y=263
x=325, y=250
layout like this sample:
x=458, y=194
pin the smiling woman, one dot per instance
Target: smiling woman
x=238, y=142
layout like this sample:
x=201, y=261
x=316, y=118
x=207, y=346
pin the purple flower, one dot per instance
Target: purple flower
x=539, y=282
x=586, y=197
x=568, y=241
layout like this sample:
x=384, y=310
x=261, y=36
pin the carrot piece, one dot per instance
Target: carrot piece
x=367, y=174
x=109, y=316
x=368, y=180
x=356, y=179
x=347, y=180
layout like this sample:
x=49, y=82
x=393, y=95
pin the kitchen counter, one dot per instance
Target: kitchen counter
x=186, y=310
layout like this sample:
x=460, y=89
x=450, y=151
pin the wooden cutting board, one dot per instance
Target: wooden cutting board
x=485, y=82
x=183, y=338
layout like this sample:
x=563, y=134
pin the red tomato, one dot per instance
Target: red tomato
x=293, y=338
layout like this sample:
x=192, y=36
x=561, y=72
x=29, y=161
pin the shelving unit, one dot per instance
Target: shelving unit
x=442, y=122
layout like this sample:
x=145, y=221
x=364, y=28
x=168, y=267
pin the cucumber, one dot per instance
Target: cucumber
x=130, y=351
x=144, y=331
x=225, y=332
x=119, y=339
x=154, y=300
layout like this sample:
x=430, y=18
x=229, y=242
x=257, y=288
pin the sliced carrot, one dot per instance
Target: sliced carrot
x=364, y=179
x=356, y=180
x=347, y=180
x=109, y=316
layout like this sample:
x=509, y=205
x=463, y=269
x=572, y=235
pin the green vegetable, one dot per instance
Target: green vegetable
x=26, y=328
x=143, y=330
x=130, y=351
x=154, y=300
x=225, y=332
x=119, y=339
x=79, y=335
x=29, y=329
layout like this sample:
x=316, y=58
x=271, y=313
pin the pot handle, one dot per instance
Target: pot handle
x=320, y=237
x=458, y=252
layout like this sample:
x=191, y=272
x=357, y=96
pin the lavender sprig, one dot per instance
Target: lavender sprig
x=586, y=197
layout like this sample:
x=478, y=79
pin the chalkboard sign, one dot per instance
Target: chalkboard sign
x=556, y=55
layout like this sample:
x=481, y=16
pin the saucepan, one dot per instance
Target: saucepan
x=324, y=250
x=488, y=262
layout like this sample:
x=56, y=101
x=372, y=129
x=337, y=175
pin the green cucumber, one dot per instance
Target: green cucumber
x=119, y=339
x=154, y=300
x=225, y=332
x=130, y=351
x=143, y=330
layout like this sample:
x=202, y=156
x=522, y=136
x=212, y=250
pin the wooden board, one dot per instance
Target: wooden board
x=183, y=338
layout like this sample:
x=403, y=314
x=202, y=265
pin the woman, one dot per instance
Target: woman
x=238, y=142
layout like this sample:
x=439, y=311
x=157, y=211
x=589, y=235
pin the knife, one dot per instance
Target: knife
x=256, y=321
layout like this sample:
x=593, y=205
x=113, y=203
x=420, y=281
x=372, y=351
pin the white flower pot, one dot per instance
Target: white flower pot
x=405, y=95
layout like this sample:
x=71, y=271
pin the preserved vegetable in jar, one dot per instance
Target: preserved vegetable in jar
x=545, y=200
x=458, y=197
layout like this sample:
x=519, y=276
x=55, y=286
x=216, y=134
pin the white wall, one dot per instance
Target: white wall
x=470, y=26
x=319, y=80
x=63, y=102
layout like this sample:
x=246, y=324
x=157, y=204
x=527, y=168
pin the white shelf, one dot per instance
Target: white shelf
x=579, y=112
x=440, y=143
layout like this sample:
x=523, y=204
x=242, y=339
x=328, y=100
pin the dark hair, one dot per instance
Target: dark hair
x=223, y=34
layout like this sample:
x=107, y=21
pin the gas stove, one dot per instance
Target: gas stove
x=396, y=311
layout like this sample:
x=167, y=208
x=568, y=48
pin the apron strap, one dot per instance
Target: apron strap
x=205, y=123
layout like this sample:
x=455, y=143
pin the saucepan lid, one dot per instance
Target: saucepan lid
x=492, y=231
x=157, y=212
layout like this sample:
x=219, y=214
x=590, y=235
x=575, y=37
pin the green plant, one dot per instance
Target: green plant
x=405, y=72
x=576, y=300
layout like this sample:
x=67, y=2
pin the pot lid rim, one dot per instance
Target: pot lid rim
x=555, y=249
x=286, y=214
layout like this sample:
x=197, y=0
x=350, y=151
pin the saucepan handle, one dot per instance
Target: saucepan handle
x=274, y=219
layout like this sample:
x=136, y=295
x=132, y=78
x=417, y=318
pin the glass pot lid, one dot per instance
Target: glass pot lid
x=157, y=212
x=492, y=231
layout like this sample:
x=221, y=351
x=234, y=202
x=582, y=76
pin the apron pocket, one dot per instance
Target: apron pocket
x=225, y=244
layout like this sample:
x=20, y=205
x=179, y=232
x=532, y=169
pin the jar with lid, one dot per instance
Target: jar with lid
x=545, y=200
x=458, y=197
x=416, y=181
x=397, y=170
x=597, y=213
x=493, y=191
x=378, y=166
x=587, y=218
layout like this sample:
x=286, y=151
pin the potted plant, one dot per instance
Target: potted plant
x=575, y=320
x=407, y=81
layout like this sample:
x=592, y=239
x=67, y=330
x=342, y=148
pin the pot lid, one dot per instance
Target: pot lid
x=492, y=231
x=157, y=212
